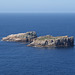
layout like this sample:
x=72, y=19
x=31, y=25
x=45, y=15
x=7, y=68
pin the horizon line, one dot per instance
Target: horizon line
x=37, y=12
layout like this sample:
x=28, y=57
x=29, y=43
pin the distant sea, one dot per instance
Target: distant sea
x=18, y=59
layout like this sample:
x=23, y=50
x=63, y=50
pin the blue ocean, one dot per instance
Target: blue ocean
x=18, y=59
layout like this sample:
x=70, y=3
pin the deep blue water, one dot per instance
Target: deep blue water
x=18, y=59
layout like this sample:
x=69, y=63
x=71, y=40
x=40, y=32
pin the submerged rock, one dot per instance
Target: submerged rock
x=21, y=37
x=50, y=41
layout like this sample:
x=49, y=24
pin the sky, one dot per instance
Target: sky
x=37, y=6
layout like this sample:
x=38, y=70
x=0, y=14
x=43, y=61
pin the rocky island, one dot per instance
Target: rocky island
x=50, y=41
x=42, y=41
x=21, y=37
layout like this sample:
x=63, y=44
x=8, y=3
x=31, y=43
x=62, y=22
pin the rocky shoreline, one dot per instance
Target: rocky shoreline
x=42, y=41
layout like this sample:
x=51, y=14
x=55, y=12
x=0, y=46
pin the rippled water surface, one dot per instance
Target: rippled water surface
x=18, y=59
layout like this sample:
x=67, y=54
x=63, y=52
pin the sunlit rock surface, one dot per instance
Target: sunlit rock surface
x=21, y=37
x=42, y=41
x=50, y=41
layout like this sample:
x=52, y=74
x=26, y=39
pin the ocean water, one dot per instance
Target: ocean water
x=18, y=59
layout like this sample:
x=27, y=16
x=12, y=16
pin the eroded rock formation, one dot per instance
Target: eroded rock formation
x=42, y=41
x=50, y=41
x=21, y=37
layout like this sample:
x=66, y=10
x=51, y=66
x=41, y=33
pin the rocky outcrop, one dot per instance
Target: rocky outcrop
x=21, y=37
x=50, y=41
x=42, y=41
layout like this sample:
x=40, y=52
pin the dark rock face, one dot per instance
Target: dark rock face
x=21, y=37
x=65, y=42
x=50, y=41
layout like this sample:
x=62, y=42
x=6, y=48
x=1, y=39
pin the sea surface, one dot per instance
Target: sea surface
x=18, y=59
